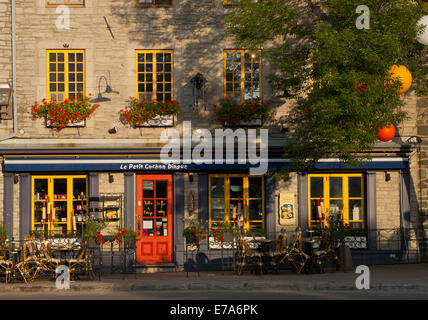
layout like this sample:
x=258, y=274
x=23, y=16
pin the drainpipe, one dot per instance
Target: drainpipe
x=15, y=107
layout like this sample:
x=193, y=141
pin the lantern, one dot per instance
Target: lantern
x=402, y=73
x=423, y=37
x=386, y=133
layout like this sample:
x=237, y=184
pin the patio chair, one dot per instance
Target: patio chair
x=82, y=263
x=325, y=253
x=296, y=256
x=280, y=252
x=247, y=256
x=48, y=262
x=30, y=267
x=6, y=264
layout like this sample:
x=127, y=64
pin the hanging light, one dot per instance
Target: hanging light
x=423, y=37
x=402, y=73
x=386, y=133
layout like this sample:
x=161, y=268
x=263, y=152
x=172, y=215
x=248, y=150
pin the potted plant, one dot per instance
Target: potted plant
x=70, y=112
x=145, y=113
x=225, y=233
x=194, y=233
x=92, y=236
x=127, y=237
x=249, y=113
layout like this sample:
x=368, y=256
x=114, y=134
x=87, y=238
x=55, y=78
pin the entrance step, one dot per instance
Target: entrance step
x=155, y=267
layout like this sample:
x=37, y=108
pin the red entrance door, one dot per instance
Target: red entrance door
x=154, y=218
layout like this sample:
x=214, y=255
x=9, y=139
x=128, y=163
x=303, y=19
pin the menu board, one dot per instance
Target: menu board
x=148, y=208
x=161, y=208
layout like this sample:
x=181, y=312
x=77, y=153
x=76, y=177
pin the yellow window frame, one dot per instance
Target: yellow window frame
x=69, y=199
x=154, y=72
x=66, y=72
x=242, y=85
x=345, y=197
x=246, y=199
x=68, y=3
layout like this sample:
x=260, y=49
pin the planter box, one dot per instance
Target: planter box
x=81, y=123
x=356, y=242
x=160, y=121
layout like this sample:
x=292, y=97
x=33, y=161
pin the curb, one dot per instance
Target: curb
x=137, y=287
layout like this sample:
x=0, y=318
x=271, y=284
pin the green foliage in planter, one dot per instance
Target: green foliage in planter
x=334, y=74
x=125, y=236
x=142, y=111
x=59, y=114
x=194, y=233
x=229, y=113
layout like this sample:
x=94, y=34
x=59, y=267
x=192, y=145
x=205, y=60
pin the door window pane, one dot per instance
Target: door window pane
x=161, y=189
x=317, y=187
x=335, y=187
x=217, y=187
x=148, y=189
x=217, y=210
x=354, y=187
x=236, y=188
x=255, y=187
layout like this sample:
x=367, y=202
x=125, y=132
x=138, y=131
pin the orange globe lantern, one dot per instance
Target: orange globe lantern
x=404, y=75
x=386, y=133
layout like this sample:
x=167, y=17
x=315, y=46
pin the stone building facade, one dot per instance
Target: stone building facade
x=110, y=34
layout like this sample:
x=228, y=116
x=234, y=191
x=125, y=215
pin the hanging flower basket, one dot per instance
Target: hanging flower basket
x=72, y=112
x=250, y=113
x=150, y=114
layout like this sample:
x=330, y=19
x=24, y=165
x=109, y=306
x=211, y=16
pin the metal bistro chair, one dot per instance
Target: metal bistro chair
x=30, y=267
x=6, y=264
x=325, y=253
x=82, y=263
x=47, y=260
x=246, y=255
x=280, y=252
x=296, y=256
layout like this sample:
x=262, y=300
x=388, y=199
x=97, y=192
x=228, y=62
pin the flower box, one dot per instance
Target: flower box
x=356, y=242
x=150, y=113
x=160, y=121
x=81, y=123
x=249, y=113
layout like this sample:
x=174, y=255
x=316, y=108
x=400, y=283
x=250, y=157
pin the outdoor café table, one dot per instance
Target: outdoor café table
x=65, y=250
x=263, y=246
x=309, y=248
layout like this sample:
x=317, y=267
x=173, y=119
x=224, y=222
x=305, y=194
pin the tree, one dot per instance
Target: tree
x=335, y=73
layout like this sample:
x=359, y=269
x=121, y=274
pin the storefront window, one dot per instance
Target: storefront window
x=237, y=199
x=59, y=203
x=336, y=194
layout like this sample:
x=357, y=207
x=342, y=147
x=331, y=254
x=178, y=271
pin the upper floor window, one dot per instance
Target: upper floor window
x=242, y=75
x=66, y=74
x=154, y=3
x=154, y=75
x=74, y=3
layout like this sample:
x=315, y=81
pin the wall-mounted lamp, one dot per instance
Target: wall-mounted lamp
x=387, y=176
x=190, y=178
x=112, y=130
x=100, y=98
x=110, y=178
x=15, y=179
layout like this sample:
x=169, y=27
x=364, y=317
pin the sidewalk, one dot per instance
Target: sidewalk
x=391, y=277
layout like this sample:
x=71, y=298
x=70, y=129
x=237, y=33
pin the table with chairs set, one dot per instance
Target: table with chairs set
x=32, y=258
x=262, y=255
